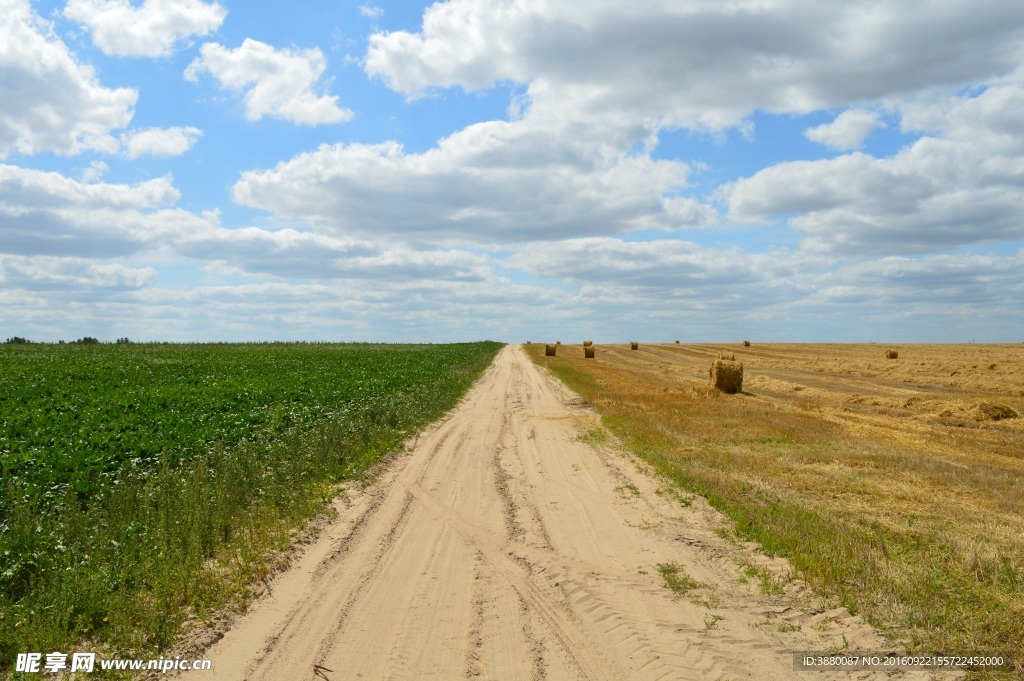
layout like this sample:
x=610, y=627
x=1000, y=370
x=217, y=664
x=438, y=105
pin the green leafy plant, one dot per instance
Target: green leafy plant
x=141, y=484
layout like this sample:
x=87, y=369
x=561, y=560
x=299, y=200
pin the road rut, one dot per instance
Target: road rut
x=513, y=541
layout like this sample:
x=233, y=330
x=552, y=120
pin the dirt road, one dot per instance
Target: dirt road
x=512, y=542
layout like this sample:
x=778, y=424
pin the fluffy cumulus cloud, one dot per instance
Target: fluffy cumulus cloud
x=277, y=82
x=160, y=141
x=48, y=214
x=151, y=29
x=700, y=62
x=489, y=183
x=50, y=101
x=24, y=188
x=48, y=273
x=963, y=185
x=848, y=131
x=47, y=219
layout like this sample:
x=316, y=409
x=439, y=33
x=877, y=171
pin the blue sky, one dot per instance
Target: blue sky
x=785, y=170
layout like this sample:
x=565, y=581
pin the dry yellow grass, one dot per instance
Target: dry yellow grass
x=893, y=486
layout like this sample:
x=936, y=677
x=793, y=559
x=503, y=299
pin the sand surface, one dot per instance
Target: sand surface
x=514, y=541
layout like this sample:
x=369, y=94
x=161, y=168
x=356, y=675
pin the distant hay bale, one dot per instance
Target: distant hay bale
x=527, y=342
x=677, y=342
x=726, y=376
x=558, y=342
x=986, y=411
x=746, y=344
x=633, y=345
x=587, y=344
x=892, y=354
x=549, y=350
x=588, y=352
x=731, y=357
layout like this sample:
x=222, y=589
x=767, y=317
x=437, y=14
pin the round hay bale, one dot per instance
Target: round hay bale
x=633, y=345
x=549, y=350
x=588, y=352
x=731, y=357
x=527, y=342
x=587, y=344
x=558, y=342
x=746, y=344
x=726, y=376
x=892, y=354
x=677, y=342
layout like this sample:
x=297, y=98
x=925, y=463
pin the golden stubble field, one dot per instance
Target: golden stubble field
x=893, y=485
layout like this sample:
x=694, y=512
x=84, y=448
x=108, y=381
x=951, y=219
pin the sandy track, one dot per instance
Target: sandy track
x=505, y=546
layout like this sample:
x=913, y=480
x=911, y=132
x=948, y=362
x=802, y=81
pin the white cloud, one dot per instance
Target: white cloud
x=149, y=30
x=45, y=213
x=490, y=183
x=344, y=310
x=664, y=289
x=95, y=171
x=704, y=64
x=848, y=130
x=701, y=63
x=277, y=83
x=160, y=141
x=371, y=12
x=70, y=274
x=938, y=280
x=963, y=186
x=291, y=254
x=677, y=269
x=50, y=101
x=27, y=188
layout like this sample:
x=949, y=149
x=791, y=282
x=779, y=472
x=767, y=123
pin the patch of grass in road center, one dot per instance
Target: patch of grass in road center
x=677, y=580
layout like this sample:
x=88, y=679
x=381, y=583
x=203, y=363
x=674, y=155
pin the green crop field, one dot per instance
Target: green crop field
x=146, y=484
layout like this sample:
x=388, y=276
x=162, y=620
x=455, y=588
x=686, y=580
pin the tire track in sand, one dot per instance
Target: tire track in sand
x=502, y=546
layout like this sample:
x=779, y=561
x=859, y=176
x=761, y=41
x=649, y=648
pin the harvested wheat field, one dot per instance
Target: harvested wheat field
x=517, y=540
x=893, y=487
